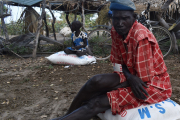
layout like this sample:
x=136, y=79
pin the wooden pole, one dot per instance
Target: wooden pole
x=54, y=20
x=75, y=16
x=47, y=30
x=2, y=21
x=38, y=29
x=174, y=43
x=83, y=17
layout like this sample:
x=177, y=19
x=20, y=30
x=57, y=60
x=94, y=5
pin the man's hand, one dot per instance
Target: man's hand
x=121, y=85
x=136, y=85
x=73, y=48
x=77, y=47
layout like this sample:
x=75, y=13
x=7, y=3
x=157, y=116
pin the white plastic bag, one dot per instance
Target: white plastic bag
x=71, y=59
x=166, y=110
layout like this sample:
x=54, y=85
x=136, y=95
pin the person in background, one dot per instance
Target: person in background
x=140, y=75
x=79, y=39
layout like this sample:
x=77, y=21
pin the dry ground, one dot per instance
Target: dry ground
x=38, y=90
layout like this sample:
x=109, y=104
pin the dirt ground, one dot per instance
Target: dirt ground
x=38, y=90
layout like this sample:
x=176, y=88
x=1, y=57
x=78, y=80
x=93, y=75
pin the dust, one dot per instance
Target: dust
x=38, y=90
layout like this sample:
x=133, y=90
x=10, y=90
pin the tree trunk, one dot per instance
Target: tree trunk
x=36, y=40
x=2, y=22
x=75, y=16
x=25, y=39
x=4, y=29
x=83, y=17
x=162, y=21
x=54, y=20
x=41, y=37
x=174, y=43
x=38, y=30
x=47, y=30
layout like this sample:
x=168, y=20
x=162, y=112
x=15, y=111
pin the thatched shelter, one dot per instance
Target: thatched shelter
x=75, y=6
x=82, y=7
x=94, y=6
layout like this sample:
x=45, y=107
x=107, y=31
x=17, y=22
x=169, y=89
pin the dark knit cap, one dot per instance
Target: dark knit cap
x=122, y=5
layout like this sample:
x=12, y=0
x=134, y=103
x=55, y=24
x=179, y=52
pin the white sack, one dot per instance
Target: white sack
x=71, y=59
x=166, y=110
x=65, y=31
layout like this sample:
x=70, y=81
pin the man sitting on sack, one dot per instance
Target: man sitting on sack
x=140, y=75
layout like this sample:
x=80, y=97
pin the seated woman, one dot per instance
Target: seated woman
x=79, y=39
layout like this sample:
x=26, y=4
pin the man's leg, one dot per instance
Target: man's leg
x=93, y=107
x=93, y=87
x=68, y=51
x=80, y=53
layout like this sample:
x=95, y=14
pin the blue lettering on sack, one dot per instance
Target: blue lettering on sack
x=82, y=57
x=174, y=103
x=143, y=112
x=162, y=110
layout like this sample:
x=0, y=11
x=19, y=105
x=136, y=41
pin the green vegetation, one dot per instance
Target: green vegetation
x=20, y=50
x=17, y=28
x=49, y=67
x=100, y=44
x=25, y=80
x=62, y=23
x=5, y=10
x=50, y=48
x=178, y=42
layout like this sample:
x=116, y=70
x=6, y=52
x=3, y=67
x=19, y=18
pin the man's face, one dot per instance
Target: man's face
x=122, y=21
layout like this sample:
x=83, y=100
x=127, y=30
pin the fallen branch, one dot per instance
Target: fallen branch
x=25, y=39
x=4, y=47
x=42, y=37
x=4, y=15
x=14, y=52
